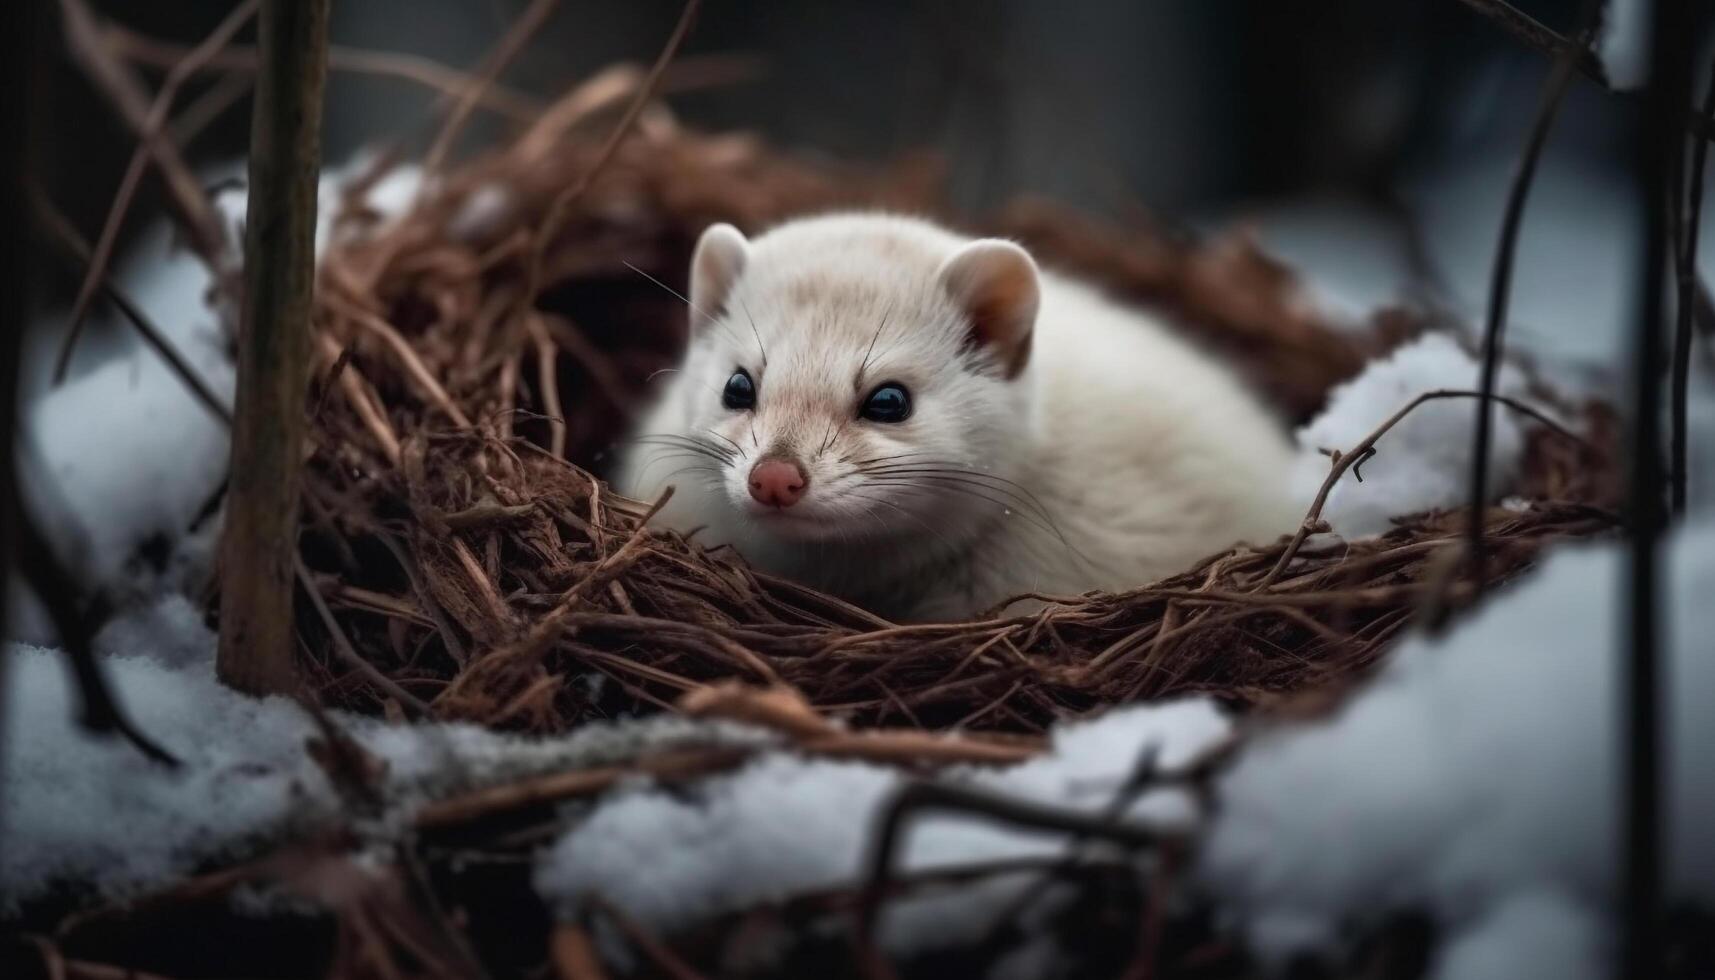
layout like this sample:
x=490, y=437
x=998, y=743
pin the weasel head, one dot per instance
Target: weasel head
x=856, y=378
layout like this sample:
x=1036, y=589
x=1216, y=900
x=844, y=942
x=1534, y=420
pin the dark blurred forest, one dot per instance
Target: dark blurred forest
x=1183, y=106
x=1369, y=143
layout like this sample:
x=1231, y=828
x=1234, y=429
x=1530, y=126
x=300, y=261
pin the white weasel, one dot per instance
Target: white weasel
x=928, y=425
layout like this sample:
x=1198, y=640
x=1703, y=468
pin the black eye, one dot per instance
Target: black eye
x=888, y=403
x=740, y=391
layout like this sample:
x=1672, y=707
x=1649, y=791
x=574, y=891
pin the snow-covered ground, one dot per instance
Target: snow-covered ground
x=89, y=812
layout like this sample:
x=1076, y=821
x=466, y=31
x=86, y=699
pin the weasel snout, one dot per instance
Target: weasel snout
x=776, y=482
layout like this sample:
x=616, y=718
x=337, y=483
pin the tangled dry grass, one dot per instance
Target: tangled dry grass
x=482, y=353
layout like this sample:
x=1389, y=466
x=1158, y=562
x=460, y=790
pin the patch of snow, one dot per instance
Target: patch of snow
x=169, y=631
x=482, y=212
x=1421, y=463
x=90, y=813
x=1530, y=935
x=1476, y=778
x=119, y=461
x=1623, y=43
x=1574, y=271
x=389, y=198
x=784, y=826
x=82, y=809
x=121, y=457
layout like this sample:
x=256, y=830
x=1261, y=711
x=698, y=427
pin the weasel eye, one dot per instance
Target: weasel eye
x=888, y=403
x=740, y=391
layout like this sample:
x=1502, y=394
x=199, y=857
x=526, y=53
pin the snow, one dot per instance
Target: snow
x=122, y=456
x=88, y=812
x=120, y=460
x=784, y=826
x=389, y=198
x=78, y=808
x=1573, y=289
x=1530, y=935
x=1423, y=462
x=1476, y=777
x=1623, y=43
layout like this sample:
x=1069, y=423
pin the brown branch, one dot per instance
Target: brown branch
x=348, y=653
x=513, y=42
x=208, y=106
x=414, y=367
x=360, y=395
x=150, y=134
x=573, y=953
x=654, y=950
x=190, y=205
x=610, y=86
x=259, y=551
x=565, y=199
x=972, y=802
x=548, y=380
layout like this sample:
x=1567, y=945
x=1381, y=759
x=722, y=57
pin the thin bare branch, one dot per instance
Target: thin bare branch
x=190, y=205
x=517, y=35
x=1365, y=449
x=1689, y=294
x=60, y=230
x=1501, y=280
x=565, y=199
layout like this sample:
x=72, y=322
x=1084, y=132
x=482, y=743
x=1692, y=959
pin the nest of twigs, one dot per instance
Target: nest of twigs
x=483, y=352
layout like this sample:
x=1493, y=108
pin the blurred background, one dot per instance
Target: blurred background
x=1369, y=142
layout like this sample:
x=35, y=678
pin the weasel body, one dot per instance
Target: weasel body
x=928, y=425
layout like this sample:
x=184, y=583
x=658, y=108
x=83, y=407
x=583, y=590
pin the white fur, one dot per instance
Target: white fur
x=1118, y=455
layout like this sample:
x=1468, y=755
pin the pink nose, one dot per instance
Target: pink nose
x=777, y=482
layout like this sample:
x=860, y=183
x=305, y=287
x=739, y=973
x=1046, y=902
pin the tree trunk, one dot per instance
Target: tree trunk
x=256, y=635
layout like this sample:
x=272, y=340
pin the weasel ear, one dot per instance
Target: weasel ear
x=718, y=261
x=995, y=282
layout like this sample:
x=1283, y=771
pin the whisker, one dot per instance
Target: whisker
x=1037, y=517
x=694, y=467
x=951, y=547
x=683, y=299
x=998, y=482
x=680, y=452
x=736, y=448
x=674, y=439
x=754, y=332
x=862, y=463
x=671, y=291
x=657, y=458
x=988, y=479
x=885, y=316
